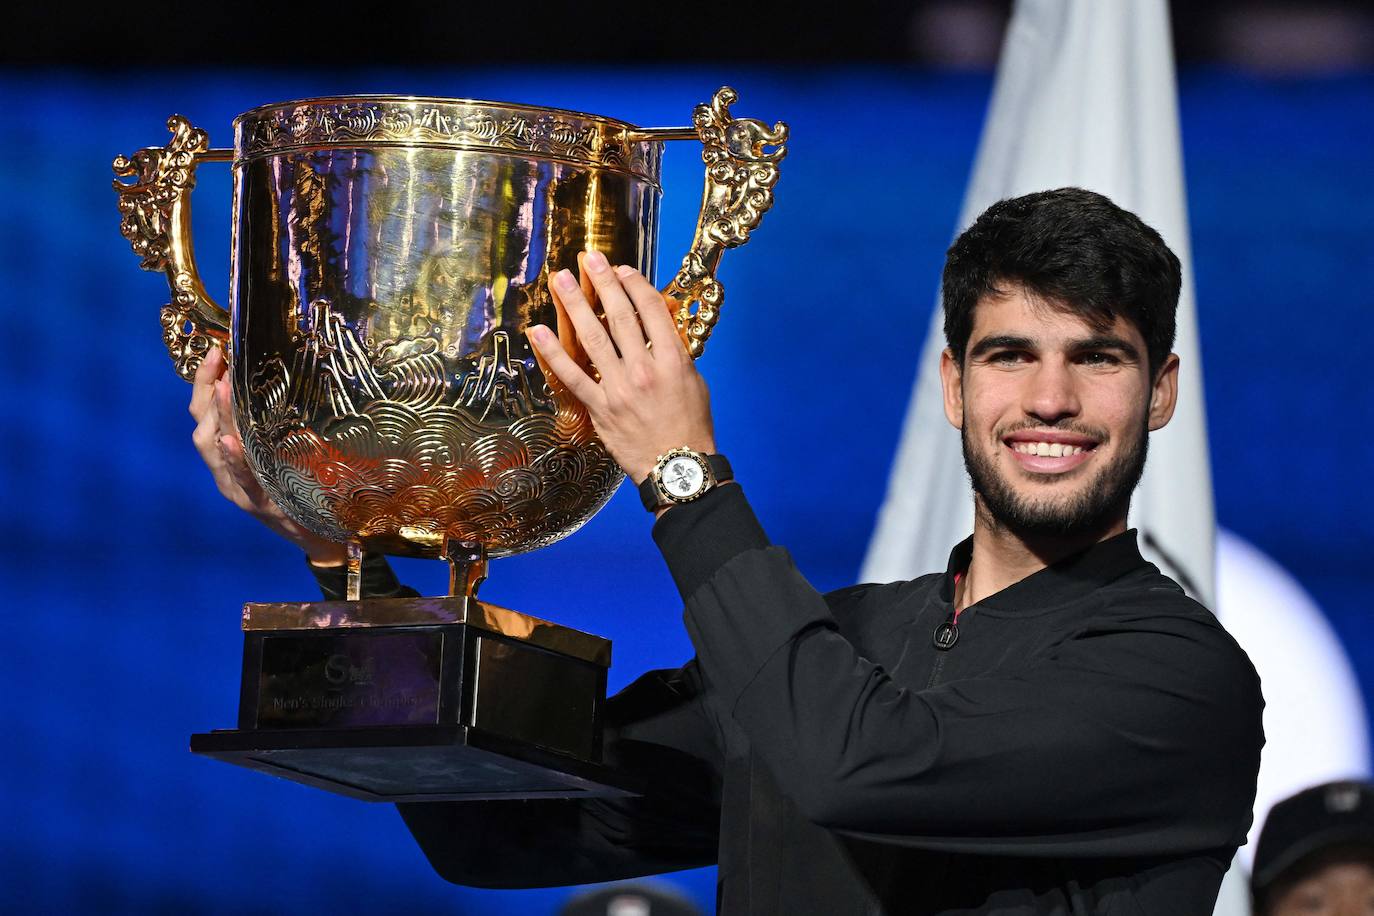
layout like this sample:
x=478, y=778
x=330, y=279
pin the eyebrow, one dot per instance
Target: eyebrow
x=1014, y=342
x=1106, y=342
x=1001, y=342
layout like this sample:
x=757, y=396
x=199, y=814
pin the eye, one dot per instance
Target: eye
x=1008, y=357
x=1099, y=358
x=1310, y=902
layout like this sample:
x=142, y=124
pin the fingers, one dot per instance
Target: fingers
x=634, y=309
x=205, y=408
x=584, y=278
x=563, y=327
x=217, y=441
x=222, y=454
x=621, y=317
x=224, y=407
x=207, y=440
x=231, y=449
x=653, y=311
x=587, y=326
x=231, y=446
x=205, y=437
x=564, y=368
x=203, y=386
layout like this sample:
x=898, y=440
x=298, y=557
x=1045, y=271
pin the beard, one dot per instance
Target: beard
x=1095, y=505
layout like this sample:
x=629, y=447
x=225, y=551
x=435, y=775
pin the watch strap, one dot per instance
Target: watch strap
x=720, y=468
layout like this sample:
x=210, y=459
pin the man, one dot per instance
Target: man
x=1049, y=726
x=1315, y=855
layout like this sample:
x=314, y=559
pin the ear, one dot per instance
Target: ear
x=1164, y=394
x=952, y=383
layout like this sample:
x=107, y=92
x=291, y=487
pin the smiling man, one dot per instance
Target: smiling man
x=1048, y=726
x=1059, y=315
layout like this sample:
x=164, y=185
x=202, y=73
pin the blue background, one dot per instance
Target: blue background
x=123, y=570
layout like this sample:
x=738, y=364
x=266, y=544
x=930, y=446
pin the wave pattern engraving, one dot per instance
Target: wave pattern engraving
x=357, y=444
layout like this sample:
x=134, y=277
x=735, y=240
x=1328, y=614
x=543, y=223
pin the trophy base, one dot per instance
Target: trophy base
x=413, y=763
x=419, y=699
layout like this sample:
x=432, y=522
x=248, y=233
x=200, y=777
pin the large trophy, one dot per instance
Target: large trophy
x=388, y=254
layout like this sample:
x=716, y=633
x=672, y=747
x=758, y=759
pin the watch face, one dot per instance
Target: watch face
x=682, y=478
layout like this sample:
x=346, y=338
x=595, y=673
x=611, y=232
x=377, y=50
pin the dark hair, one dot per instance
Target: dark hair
x=1074, y=249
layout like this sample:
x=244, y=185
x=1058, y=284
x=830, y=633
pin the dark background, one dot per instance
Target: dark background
x=1270, y=35
x=124, y=570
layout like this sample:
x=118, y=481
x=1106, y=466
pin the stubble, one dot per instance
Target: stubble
x=1093, y=507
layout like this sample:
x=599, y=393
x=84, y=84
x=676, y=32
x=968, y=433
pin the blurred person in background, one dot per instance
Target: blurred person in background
x=1315, y=855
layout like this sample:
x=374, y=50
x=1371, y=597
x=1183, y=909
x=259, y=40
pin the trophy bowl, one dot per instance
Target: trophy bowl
x=388, y=254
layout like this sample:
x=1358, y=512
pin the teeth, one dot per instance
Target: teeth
x=1047, y=449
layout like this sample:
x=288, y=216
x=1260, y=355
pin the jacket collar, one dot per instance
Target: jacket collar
x=1070, y=579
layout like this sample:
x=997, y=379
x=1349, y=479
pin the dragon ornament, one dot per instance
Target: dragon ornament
x=155, y=216
x=741, y=170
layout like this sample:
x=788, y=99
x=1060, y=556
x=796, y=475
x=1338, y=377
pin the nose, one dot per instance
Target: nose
x=1051, y=392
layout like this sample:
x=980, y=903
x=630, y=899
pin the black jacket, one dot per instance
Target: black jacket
x=1088, y=745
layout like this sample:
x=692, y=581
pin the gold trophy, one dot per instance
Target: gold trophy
x=388, y=254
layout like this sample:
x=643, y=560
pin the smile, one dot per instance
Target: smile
x=1046, y=449
x=1054, y=454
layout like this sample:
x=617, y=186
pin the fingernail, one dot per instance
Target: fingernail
x=596, y=261
x=564, y=280
x=537, y=333
x=625, y=270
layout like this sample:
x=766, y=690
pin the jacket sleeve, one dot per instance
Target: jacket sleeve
x=1138, y=736
x=654, y=729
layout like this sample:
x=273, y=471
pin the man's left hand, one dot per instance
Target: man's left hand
x=650, y=398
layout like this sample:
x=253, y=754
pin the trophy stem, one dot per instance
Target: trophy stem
x=467, y=567
x=355, y=571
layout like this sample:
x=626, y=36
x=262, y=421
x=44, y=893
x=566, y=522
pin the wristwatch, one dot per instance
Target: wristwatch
x=682, y=475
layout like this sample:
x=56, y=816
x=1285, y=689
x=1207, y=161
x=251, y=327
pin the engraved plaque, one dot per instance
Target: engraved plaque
x=345, y=680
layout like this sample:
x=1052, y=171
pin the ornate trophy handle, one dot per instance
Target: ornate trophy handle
x=740, y=175
x=155, y=212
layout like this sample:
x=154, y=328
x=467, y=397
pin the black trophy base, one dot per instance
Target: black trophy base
x=412, y=763
x=419, y=699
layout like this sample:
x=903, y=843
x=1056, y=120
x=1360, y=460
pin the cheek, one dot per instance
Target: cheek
x=1121, y=410
x=989, y=407
x=1128, y=424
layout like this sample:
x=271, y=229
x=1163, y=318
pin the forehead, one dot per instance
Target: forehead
x=1017, y=313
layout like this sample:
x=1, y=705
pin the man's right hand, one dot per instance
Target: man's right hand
x=217, y=439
